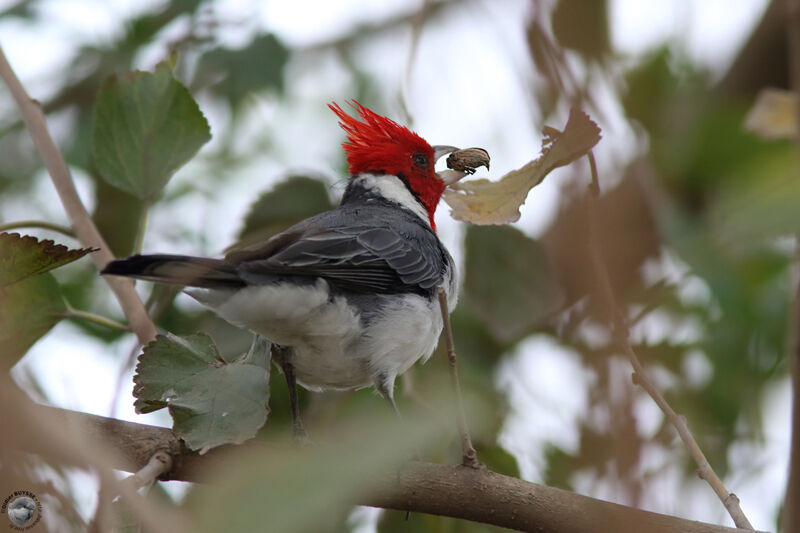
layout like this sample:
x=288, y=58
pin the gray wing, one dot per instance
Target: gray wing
x=394, y=254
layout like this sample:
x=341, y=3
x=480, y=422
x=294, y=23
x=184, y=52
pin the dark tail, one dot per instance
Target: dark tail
x=177, y=270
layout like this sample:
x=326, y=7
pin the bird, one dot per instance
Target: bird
x=348, y=297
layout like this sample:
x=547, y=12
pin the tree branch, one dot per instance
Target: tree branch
x=447, y=490
x=81, y=221
x=704, y=470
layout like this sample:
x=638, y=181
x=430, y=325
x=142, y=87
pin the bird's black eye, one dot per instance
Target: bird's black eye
x=420, y=159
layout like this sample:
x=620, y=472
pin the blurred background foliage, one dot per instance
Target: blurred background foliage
x=696, y=227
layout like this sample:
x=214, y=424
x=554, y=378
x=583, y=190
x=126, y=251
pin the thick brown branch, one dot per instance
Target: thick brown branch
x=447, y=490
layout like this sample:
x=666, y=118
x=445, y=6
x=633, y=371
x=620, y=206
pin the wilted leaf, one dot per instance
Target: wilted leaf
x=146, y=127
x=485, y=202
x=25, y=256
x=288, y=203
x=211, y=401
x=509, y=285
x=28, y=309
x=774, y=115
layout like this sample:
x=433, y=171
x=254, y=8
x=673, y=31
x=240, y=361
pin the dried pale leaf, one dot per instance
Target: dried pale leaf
x=486, y=202
x=774, y=115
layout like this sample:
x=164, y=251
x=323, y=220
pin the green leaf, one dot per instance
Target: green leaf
x=25, y=256
x=117, y=215
x=28, y=309
x=291, y=201
x=509, y=285
x=212, y=401
x=146, y=127
x=245, y=71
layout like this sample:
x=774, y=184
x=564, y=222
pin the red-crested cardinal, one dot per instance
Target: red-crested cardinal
x=347, y=297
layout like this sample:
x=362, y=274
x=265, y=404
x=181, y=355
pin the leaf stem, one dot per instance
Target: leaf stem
x=622, y=333
x=94, y=318
x=64, y=230
x=141, y=229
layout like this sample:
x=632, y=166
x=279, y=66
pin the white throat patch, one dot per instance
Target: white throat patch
x=392, y=188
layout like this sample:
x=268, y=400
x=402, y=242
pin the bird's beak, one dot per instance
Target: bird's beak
x=461, y=162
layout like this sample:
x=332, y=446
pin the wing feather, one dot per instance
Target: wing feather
x=396, y=254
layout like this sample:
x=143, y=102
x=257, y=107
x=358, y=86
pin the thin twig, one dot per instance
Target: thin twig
x=37, y=224
x=81, y=221
x=621, y=331
x=416, y=23
x=469, y=456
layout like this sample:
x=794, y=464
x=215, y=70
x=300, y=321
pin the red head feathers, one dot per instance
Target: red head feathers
x=379, y=145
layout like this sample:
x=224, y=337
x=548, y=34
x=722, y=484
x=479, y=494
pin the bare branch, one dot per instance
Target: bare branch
x=704, y=470
x=82, y=223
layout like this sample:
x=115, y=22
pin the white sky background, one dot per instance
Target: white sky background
x=487, y=41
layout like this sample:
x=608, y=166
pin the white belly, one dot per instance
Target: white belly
x=332, y=348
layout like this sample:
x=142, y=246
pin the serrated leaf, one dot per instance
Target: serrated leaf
x=211, y=401
x=146, y=126
x=22, y=256
x=28, y=309
x=509, y=286
x=291, y=201
x=485, y=202
x=774, y=114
